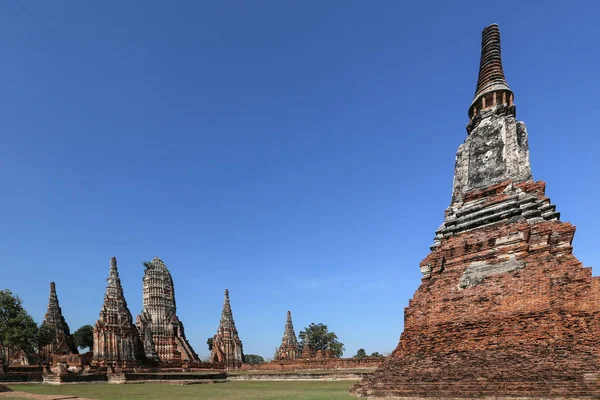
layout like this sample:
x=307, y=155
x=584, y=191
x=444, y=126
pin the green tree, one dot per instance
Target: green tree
x=209, y=342
x=361, y=353
x=253, y=359
x=376, y=354
x=45, y=335
x=18, y=331
x=84, y=337
x=318, y=337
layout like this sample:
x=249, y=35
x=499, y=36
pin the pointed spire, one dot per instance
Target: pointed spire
x=53, y=312
x=227, y=315
x=54, y=318
x=115, y=337
x=114, y=289
x=289, y=335
x=53, y=306
x=492, y=88
x=289, y=343
x=288, y=323
x=227, y=346
x=53, y=298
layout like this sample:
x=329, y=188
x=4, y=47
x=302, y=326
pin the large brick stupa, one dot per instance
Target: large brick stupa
x=505, y=309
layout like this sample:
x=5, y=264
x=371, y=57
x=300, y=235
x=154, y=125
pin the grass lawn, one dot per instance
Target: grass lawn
x=254, y=390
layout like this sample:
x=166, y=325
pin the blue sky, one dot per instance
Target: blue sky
x=299, y=154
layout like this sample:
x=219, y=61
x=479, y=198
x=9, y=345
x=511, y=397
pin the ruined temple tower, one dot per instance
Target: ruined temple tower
x=160, y=330
x=289, y=343
x=115, y=337
x=227, y=346
x=504, y=308
x=63, y=342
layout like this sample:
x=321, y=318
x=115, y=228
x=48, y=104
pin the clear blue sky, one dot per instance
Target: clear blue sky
x=298, y=153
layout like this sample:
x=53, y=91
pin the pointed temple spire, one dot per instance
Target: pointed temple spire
x=289, y=343
x=116, y=339
x=160, y=330
x=63, y=342
x=501, y=291
x=227, y=346
x=227, y=315
x=492, y=88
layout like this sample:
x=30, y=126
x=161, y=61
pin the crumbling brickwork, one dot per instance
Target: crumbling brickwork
x=314, y=365
x=289, y=343
x=161, y=332
x=504, y=309
x=63, y=342
x=116, y=338
x=227, y=347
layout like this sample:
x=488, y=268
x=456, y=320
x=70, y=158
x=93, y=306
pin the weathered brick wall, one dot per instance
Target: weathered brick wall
x=184, y=366
x=312, y=364
x=507, y=310
x=78, y=360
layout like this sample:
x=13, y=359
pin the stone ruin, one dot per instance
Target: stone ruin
x=116, y=338
x=309, y=353
x=504, y=308
x=160, y=330
x=63, y=342
x=289, y=343
x=227, y=346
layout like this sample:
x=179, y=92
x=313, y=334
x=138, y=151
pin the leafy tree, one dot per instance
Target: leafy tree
x=318, y=337
x=84, y=337
x=45, y=335
x=376, y=354
x=209, y=342
x=18, y=331
x=361, y=353
x=253, y=359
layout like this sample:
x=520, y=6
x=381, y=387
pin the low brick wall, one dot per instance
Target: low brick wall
x=72, y=378
x=312, y=364
x=72, y=360
x=179, y=367
x=174, y=377
x=22, y=374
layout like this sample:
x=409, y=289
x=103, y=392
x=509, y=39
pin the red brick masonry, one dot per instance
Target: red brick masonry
x=530, y=327
x=313, y=364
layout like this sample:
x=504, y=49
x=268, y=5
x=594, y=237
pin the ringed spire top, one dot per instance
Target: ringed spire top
x=492, y=88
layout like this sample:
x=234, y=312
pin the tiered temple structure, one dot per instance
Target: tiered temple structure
x=116, y=338
x=504, y=309
x=160, y=330
x=289, y=343
x=227, y=346
x=63, y=342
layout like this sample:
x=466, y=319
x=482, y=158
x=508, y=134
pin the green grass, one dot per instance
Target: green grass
x=253, y=390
